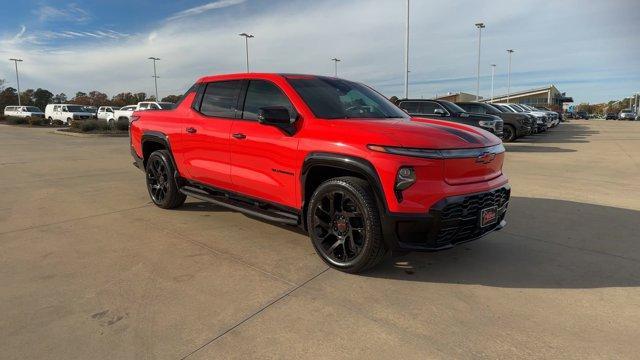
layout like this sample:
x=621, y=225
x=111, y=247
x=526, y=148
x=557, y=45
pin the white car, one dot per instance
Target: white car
x=66, y=113
x=107, y=113
x=127, y=111
x=23, y=111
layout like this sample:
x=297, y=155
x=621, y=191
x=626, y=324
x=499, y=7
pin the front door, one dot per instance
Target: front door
x=264, y=158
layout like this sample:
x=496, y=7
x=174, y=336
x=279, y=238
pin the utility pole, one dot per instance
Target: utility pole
x=16, y=61
x=406, y=57
x=510, y=51
x=335, y=66
x=246, y=46
x=493, y=73
x=480, y=26
x=155, y=75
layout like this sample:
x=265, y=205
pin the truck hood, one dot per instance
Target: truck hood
x=419, y=133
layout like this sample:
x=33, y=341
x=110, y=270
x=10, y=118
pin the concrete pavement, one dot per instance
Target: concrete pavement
x=90, y=269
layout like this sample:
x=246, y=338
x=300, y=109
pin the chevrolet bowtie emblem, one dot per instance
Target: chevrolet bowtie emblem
x=485, y=158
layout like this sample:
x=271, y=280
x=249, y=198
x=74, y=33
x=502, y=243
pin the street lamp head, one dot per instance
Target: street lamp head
x=510, y=51
x=246, y=35
x=15, y=59
x=336, y=59
x=493, y=65
x=480, y=25
x=153, y=58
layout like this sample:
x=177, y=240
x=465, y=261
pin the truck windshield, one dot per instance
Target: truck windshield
x=33, y=109
x=331, y=98
x=452, y=107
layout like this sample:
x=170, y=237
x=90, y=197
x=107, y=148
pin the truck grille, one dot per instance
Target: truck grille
x=460, y=221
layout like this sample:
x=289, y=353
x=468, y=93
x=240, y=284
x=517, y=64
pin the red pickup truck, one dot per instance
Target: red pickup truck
x=331, y=156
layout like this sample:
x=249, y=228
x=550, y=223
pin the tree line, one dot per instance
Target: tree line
x=613, y=106
x=41, y=97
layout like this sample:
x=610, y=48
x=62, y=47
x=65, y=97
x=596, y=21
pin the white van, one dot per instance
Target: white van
x=107, y=113
x=66, y=113
x=23, y=111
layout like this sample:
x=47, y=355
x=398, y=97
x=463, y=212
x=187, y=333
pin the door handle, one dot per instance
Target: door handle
x=239, y=136
x=191, y=130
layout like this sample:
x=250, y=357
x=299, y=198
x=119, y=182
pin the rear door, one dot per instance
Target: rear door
x=263, y=157
x=204, y=144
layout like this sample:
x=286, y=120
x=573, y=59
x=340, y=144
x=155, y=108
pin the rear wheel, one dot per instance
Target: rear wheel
x=161, y=182
x=508, y=133
x=344, y=225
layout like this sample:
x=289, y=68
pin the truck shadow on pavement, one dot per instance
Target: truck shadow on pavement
x=546, y=244
x=511, y=148
x=563, y=133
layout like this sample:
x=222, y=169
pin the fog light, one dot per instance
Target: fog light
x=405, y=178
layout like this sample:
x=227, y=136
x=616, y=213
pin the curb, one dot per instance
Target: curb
x=68, y=133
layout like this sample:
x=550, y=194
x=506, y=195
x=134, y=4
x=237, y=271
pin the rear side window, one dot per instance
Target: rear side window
x=411, y=107
x=220, y=99
x=260, y=94
x=428, y=107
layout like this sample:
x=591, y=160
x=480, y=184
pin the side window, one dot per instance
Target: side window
x=411, y=107
x=144, y=106
x=154, y=107
x=220, y=99
x=260, y=94
x=428, y=107
x=64, y=108
x=477, y=109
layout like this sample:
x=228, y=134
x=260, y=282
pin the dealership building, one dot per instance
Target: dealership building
x=548, y=96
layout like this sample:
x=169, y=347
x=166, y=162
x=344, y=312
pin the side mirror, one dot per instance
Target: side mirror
x=439, y=112
x=277, y=116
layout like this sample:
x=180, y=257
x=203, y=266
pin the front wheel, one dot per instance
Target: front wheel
x=508, y=133
x=344, y=225
x=161, y=182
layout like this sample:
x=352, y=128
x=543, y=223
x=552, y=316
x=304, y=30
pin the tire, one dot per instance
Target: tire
x=508, y=133
x=161, y=182
x=344, y=225
x=69, y=121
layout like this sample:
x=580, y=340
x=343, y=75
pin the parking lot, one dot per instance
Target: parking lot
x=89, y=268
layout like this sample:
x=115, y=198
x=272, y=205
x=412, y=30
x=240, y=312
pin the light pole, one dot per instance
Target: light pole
x=155, y=75
x=493, y=73
x=335, y=66
x=510, y=51
x=246, y=46
x=480, y=26
x=406, y=57
x=17, y=78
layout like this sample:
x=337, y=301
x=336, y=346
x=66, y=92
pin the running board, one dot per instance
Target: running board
x=227, y=202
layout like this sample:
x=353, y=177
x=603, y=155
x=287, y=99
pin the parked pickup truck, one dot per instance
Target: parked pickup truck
x=331, y=156
x=446, y=110
x=126, y=111
x=515, y=125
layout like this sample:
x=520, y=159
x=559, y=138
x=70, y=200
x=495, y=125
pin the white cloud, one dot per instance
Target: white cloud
x=204, y=8
x=71, y=12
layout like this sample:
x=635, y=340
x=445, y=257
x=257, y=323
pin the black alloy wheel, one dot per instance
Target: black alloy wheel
x=161, y=182
x=344, y=225
x=508, y=133
x=157, y=179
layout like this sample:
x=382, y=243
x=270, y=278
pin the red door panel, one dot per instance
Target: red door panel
x=264, y=162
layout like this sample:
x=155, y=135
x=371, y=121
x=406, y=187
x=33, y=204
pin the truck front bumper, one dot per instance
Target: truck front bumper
x=451, y=221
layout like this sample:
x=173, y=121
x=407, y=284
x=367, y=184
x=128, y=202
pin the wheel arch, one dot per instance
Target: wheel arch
x=321, y=166
x=152, y=141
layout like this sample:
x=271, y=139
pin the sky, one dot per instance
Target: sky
x=588, y=49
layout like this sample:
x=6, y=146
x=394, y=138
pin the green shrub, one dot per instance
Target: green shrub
x=102, y=125
x=76, y=124
x=16, y=120
x=89, y=125
x=122, y=124
x=35, y=121
x=58, y=122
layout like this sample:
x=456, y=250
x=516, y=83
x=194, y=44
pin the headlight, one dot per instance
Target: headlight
x=405, y=178
x=487, y=123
